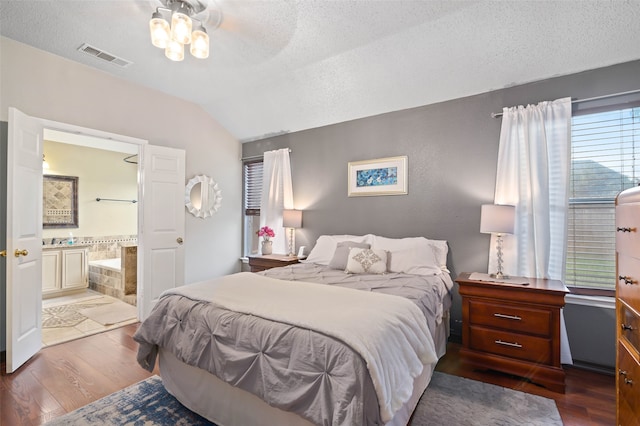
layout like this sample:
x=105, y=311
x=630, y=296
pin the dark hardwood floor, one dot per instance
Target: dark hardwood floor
x=67, y=376
x=64, y=377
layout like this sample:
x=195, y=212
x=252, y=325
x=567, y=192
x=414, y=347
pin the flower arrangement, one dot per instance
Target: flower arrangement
x=265, y=232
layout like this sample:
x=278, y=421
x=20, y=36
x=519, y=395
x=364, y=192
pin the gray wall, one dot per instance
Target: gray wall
x=452, y=149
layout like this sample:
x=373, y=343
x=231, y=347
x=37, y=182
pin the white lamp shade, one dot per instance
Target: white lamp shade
x=160, y=31
x=498, y=219
x=200, y=44
x=181, y=28
x=174, y=51
x=292, y=218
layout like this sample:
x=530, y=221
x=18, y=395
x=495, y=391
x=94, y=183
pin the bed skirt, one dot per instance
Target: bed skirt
x=226, y=405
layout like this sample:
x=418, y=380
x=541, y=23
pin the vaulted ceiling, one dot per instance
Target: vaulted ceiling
x=279, y=66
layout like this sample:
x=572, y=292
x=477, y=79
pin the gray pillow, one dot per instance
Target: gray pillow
x=341, y=255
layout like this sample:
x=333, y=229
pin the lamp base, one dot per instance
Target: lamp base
x=500, y=276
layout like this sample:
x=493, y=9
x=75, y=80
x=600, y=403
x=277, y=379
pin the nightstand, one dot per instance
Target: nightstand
x=514, y=328
x=261, y=263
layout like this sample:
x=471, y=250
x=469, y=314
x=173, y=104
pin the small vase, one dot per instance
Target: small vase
x=267, y=247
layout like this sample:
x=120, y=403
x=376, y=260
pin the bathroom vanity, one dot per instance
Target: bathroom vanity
x=64, y=269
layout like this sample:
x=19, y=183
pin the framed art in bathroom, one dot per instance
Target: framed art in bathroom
x=382, y=176
x=59, y=201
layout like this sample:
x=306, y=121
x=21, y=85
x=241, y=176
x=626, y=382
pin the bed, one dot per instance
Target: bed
x=350, y=336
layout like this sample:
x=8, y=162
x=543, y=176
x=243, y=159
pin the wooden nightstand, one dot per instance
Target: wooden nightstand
x=514, y=328
x=260, y=263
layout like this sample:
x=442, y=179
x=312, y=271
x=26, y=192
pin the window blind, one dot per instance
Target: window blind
x=252, y=187
x=605, y=159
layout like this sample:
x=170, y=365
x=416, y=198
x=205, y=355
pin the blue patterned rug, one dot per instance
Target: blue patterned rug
x=449, y=400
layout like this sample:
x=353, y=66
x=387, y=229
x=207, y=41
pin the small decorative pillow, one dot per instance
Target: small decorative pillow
x=340, y=256
x=366, y=261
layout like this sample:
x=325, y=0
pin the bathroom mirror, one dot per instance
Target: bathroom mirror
x=59, y=201
x=203, y=196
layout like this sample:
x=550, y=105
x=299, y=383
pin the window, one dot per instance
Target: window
x=605, y=159
x=252, y=178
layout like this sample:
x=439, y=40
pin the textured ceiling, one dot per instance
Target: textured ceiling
x=280, y=66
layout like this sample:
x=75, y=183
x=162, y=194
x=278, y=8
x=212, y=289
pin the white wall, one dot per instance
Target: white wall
x=47, y=86
x=101, y=174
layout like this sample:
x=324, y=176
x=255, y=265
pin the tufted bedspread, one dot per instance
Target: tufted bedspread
x=292, y=368
x=432, y=294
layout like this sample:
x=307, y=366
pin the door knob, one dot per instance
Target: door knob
x=19, y=253
x=3, y=253
x=179, y=240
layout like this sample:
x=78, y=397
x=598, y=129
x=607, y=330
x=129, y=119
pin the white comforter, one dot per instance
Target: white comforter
x=389, y=332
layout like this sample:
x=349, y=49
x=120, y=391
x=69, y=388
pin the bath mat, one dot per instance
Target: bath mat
x=68, y=315
x=111, y=313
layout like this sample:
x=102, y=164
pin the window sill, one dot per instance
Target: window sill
x=603, y=302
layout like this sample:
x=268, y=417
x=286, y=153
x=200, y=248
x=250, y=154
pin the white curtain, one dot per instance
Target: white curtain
x=277, y=195
x=533, y=175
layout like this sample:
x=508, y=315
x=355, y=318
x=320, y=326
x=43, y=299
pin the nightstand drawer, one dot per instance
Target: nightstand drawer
x=512, y=345
x=629, y=325
x=629, y=280
x=510, y=317
x=628, y=378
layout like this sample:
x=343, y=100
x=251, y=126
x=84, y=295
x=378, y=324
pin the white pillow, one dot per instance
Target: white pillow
x=325, y=247
x=414, y=255
x=441, y=249
x=366, y=261
x=415, y=262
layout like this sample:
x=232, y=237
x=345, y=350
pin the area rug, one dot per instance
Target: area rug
x=111, y=313
x=449, y=400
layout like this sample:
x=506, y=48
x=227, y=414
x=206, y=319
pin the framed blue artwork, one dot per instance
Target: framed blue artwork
x=382, y=176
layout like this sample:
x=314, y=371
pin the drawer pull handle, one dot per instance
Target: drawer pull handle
x=626, y=327
x=627, y=280
x=622, y=372
x=511, y=317
x=625, y=229
x=628, y=381
x=513, y=345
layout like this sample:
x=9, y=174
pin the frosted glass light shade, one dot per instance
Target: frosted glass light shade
x=292, y=218
x=160, y=31
x=200, y=44
x=174, y=51
x=181, y=28
x=498, y=219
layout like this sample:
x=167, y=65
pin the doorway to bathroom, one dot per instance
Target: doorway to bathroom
x=161, y=215
x=89, y=236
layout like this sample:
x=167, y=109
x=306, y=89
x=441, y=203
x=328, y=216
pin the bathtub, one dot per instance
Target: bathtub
x=116, y=277
x=109, y=264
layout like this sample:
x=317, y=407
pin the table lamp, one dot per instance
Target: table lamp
x=498, y=219
x=291, y=219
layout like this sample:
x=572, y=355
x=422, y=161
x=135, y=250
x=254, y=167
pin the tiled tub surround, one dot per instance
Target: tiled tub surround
x=116, y=277
x=113, y=265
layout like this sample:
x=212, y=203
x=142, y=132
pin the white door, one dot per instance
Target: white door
x=24, y=238
x=161, y=217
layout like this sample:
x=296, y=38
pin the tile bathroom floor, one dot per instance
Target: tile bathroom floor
x=61, y=322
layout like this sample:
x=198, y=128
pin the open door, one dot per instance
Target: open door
x=24, y=238
x=161, y=224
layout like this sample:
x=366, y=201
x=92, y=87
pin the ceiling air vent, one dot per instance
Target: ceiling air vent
x=101, y=54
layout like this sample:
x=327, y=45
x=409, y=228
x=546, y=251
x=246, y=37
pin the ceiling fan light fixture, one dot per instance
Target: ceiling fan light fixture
x=200, y=43
x=174, y=51
x=160, y=30
x=178, y=24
